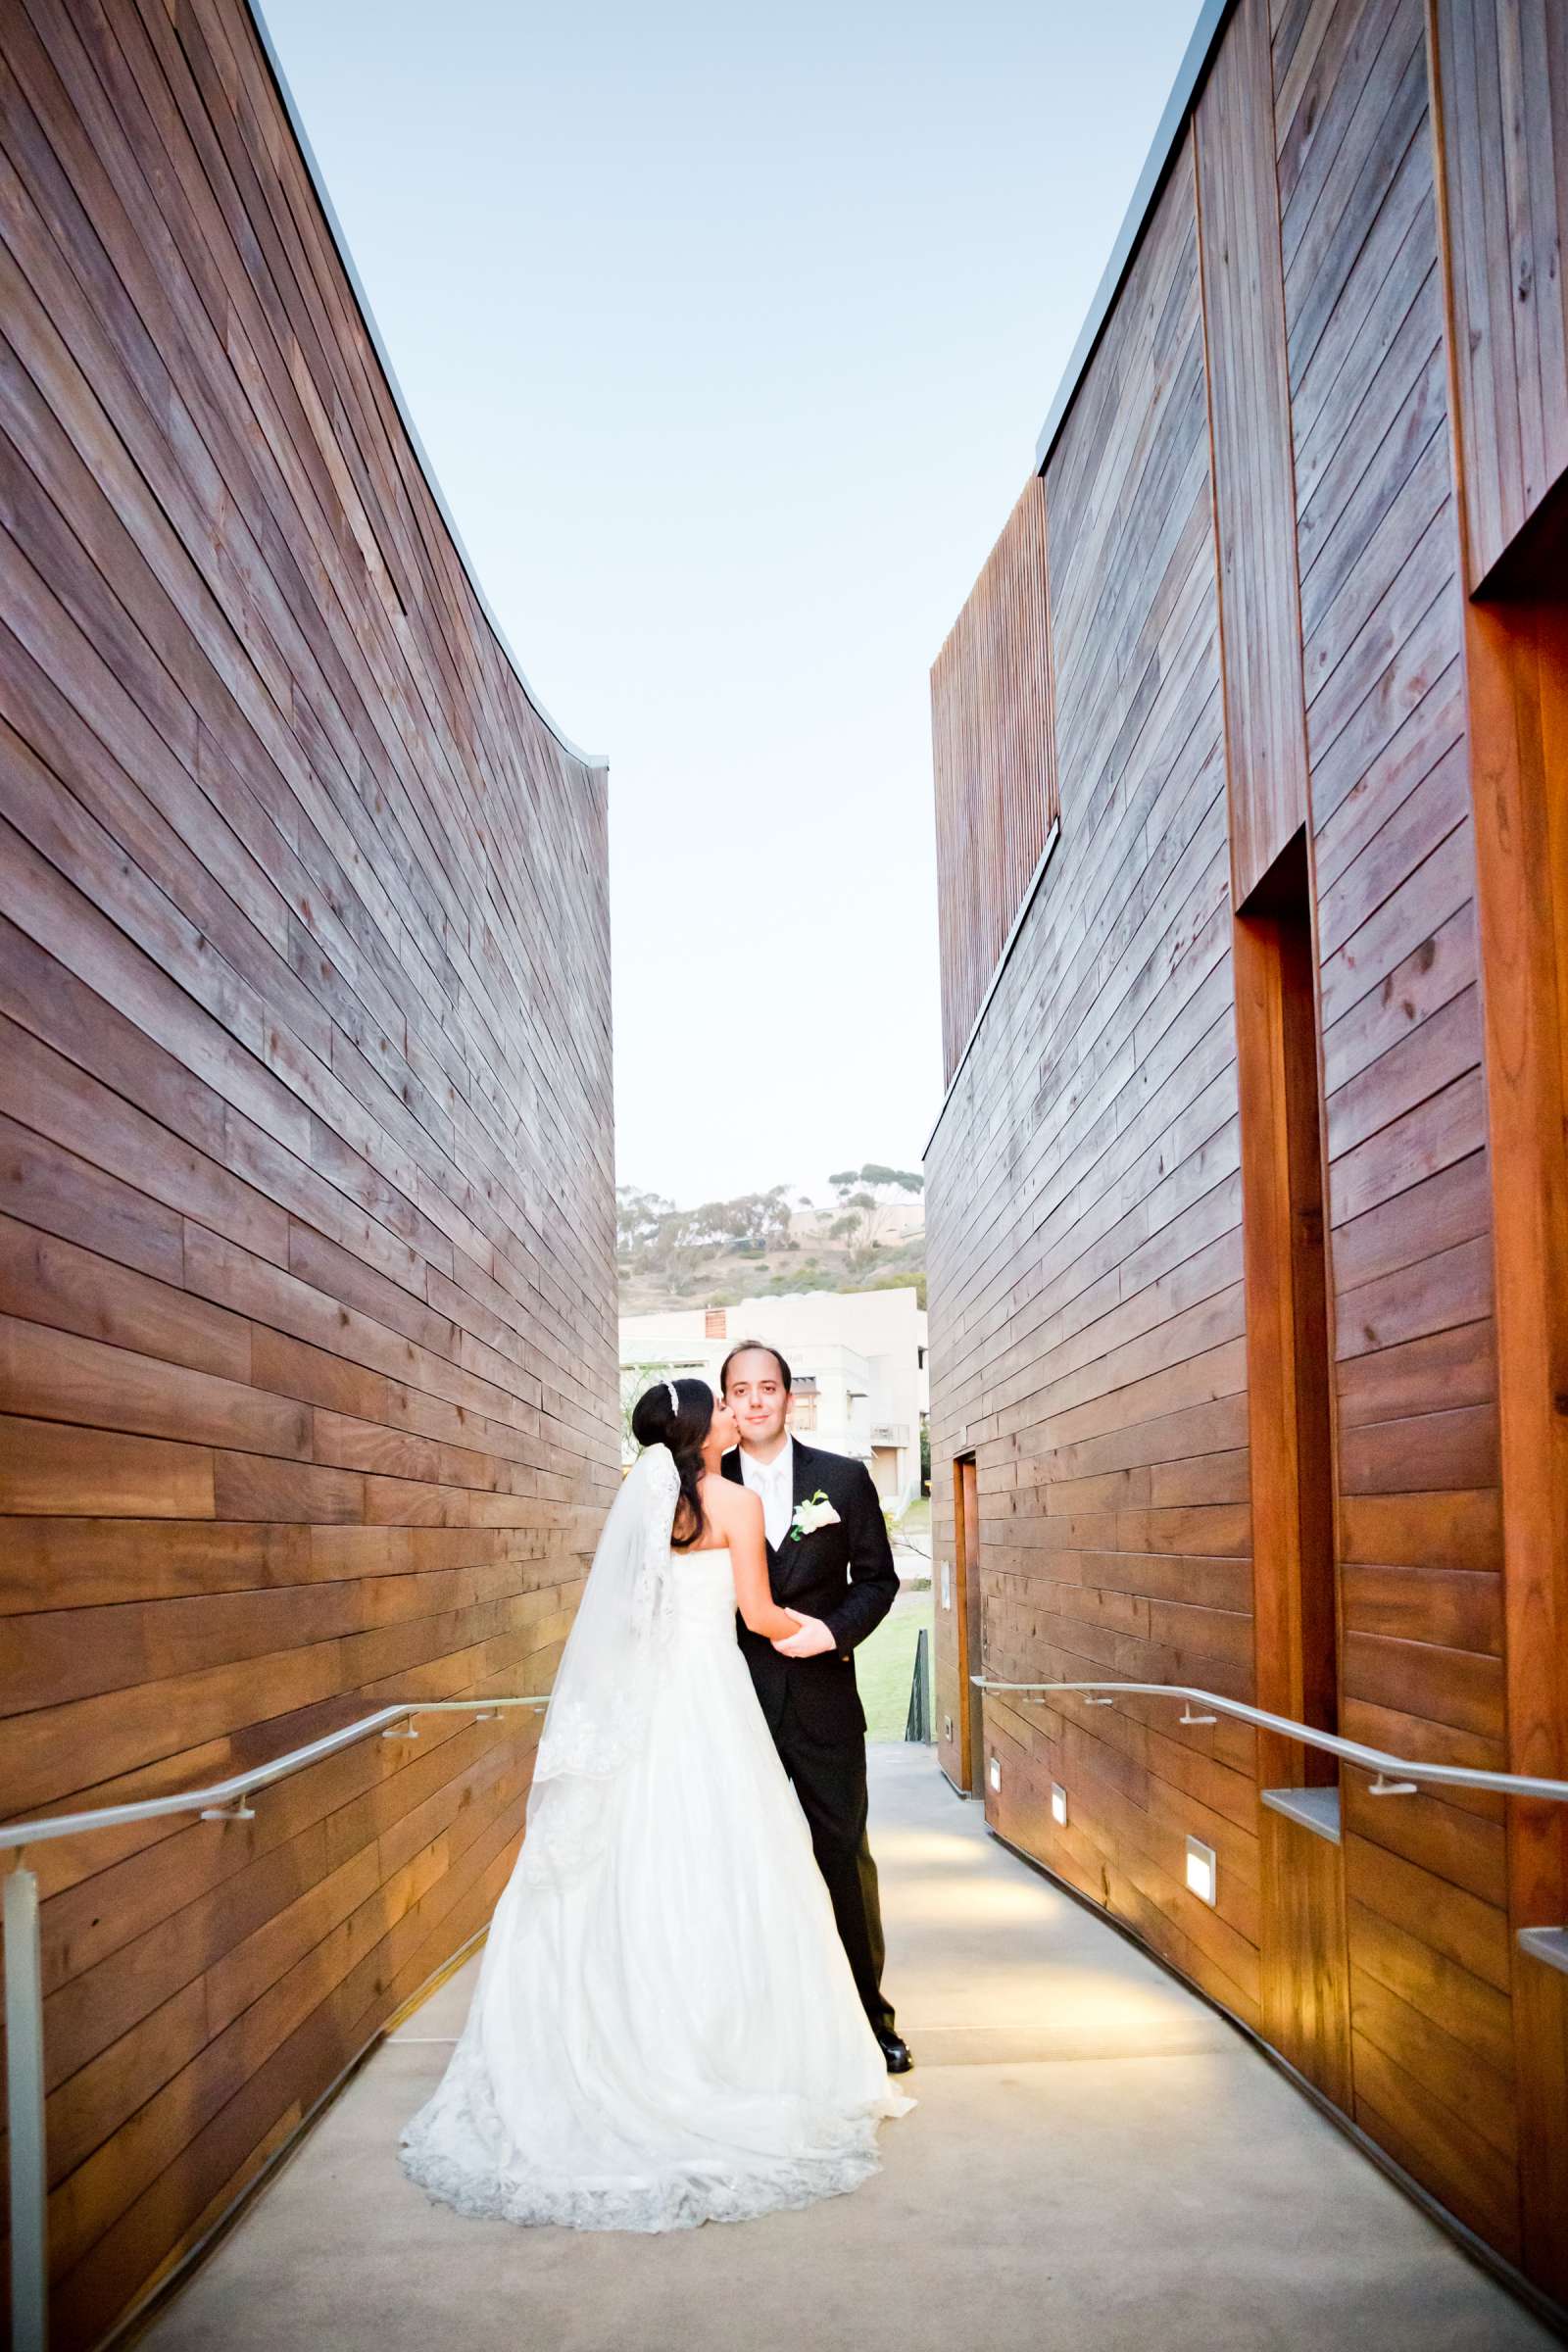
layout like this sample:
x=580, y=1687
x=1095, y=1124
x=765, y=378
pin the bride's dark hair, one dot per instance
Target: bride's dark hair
x=657, y=1420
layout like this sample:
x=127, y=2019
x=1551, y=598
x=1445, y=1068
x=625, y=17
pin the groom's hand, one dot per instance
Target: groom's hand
x=811, y=1642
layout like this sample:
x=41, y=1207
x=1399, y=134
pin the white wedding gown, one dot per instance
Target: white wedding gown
x=673, y=2035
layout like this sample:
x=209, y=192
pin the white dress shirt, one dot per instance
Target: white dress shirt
x=774, y=1482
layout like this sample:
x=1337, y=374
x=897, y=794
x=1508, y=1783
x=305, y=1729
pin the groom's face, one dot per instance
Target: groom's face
x=757, y=1395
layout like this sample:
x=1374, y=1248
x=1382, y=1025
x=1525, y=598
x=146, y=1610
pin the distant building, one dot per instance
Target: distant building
x=857, y=1360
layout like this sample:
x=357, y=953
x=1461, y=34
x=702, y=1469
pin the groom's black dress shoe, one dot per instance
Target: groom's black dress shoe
x=896, y=2050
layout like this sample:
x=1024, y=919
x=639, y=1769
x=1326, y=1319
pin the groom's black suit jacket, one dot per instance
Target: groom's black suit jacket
x=844, y=1575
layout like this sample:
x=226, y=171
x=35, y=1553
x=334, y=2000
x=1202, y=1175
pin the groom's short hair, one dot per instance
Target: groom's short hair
x=745, y=1347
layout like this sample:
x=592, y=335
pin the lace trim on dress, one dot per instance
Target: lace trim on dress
x=487, y=2181
x=678, y=2199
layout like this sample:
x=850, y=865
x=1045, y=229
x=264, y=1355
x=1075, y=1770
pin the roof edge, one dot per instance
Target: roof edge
x=1212, y=18
x=593, y=761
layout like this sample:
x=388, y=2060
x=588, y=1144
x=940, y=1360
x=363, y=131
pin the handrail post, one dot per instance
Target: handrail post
x=29, y=2288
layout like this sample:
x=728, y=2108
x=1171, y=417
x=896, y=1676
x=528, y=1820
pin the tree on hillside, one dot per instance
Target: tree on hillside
x=877, y=1178
x=725, y=1250
x=637, y=1217
x=655, y=1237
x=858, y=1191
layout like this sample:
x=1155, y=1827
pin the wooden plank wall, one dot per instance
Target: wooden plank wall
x=1086, y=1247
x=1505, y=107
x=1409, y=1198
x=1501, y=92
x=995, y=762
x=1305, y=1994
x=1087, y=1299
x=307, y=1229
x=1254, y=486
x=1517, y=665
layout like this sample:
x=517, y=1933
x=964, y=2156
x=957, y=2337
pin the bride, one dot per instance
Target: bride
x=665, y=2029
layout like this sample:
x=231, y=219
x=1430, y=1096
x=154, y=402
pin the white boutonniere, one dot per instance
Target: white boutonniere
x=816, y=1512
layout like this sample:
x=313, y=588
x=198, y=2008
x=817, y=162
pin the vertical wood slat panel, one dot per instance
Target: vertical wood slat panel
x=1518, y=679
x=1255, y=493
x=1502, y=83
x=1500, y=91
x=1499, y=85
x=1378, y=554
x=1305, y=1977
x=994, y=755
x=307, y=1358
x=1378, y=550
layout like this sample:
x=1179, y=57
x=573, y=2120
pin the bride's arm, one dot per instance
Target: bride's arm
x=748, y=1555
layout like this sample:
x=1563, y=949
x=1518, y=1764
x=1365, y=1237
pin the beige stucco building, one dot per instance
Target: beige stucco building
x=857, y=1360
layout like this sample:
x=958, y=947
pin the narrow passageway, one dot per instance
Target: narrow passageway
x=1099, y=2162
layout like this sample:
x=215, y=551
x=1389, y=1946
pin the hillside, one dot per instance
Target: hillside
x=767, y=1243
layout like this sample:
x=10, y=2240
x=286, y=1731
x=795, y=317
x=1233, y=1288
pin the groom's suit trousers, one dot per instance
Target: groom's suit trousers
x=829, y=1779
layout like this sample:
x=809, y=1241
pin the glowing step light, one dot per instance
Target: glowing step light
x=995, y=1772
x=1202, y=1870
x=1058, y=1803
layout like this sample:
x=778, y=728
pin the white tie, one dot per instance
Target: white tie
x=775, y=1500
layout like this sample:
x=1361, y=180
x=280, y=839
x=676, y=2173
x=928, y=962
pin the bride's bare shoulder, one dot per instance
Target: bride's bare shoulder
x=730, y=1504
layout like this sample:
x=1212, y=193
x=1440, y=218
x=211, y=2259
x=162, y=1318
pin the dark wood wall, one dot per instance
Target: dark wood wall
x=1088, y=1336
x=993, y=755
x=1409, y=1196
x=1258, y=631
x=1503, y=84
x=307, y=1231
x=1501, y=87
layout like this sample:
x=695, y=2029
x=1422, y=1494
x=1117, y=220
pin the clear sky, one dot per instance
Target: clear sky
x=728, y=331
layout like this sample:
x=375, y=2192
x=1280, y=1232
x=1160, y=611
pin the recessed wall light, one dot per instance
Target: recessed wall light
x=947, y=1728
x=995, y=1772
x=1058, y=1803
x=1202, y=1870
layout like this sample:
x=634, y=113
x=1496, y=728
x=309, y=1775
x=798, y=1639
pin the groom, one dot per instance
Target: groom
x=830, y=1565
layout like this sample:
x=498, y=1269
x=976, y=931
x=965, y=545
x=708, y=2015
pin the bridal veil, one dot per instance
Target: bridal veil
x=596, y=1725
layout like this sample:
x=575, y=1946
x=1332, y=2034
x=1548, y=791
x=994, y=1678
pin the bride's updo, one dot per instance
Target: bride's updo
x=678, y=1413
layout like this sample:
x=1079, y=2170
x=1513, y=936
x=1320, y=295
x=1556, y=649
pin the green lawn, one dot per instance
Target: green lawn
x=884, y=1664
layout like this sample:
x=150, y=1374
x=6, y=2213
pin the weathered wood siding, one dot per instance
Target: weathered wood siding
x=1086, y=1247
x=1503, y=105
x=307, y=1234
x=1409, y=1198
x=1501, y=92
x=995, y=760
x=1258, y=629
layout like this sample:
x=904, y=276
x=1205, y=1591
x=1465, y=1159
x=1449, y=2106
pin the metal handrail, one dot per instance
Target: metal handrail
x=223, y=1795
x=1391, y=1768
x=225, y=1800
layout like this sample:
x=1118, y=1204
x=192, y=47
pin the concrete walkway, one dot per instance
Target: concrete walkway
x=1097, y=2164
